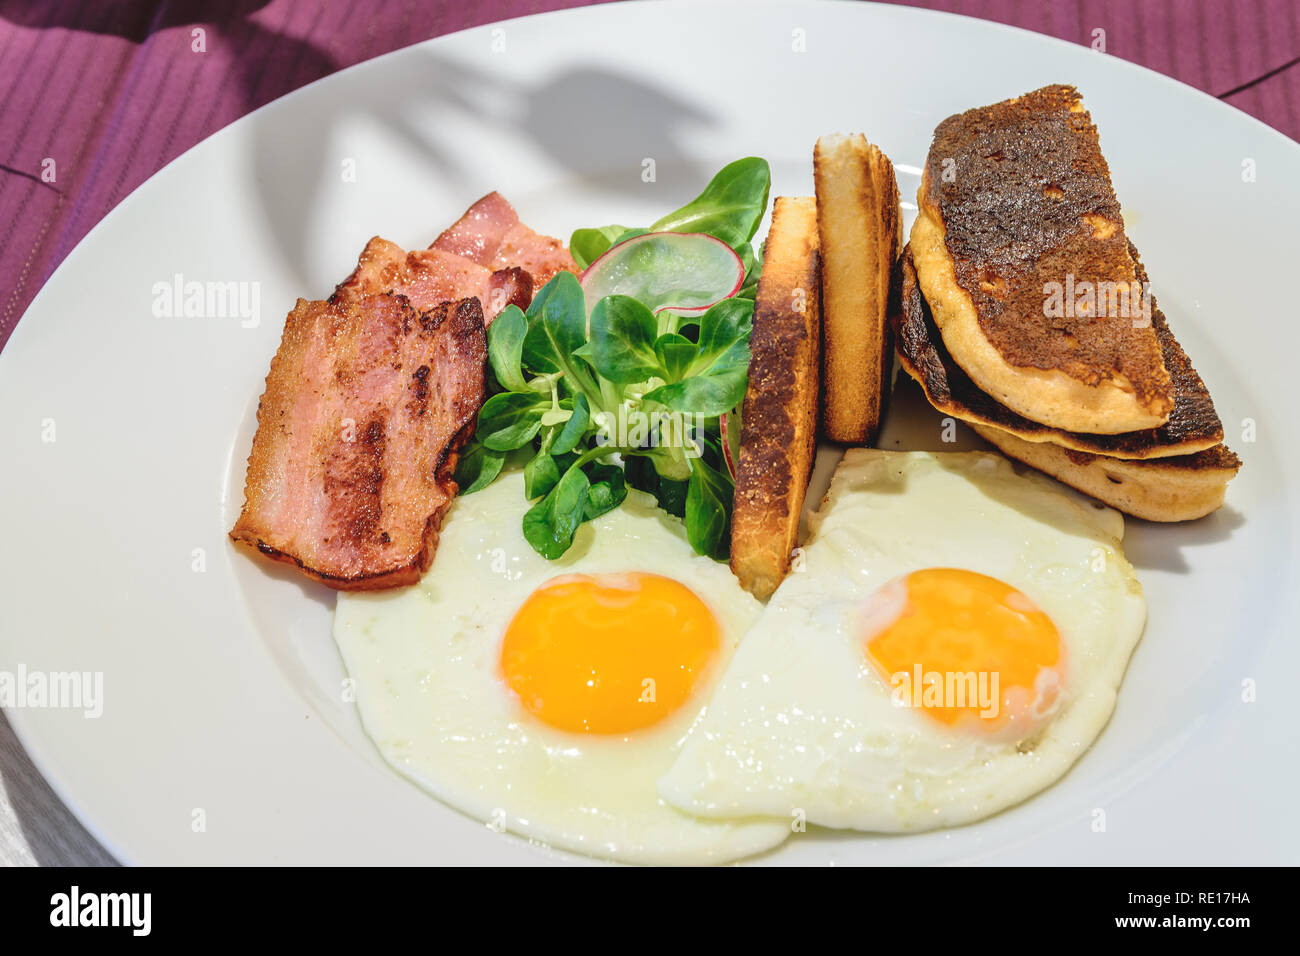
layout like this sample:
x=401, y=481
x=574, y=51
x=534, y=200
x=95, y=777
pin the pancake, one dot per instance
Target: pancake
x=1018, y=228
x=1193, y=424
x=1180, y=488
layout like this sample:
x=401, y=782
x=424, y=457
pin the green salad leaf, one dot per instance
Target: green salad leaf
x=675, y=353
x=509, y=420
x=550, y=524
x=541, y=474
x=714, y=380
x=477, y=467
x=731, y=206
x=588, y=245
x=572, y=431
x=622, y=346
x=621, y=393
x=608, y=488
x=708, y=510
x=506, y=348
x=557, y=329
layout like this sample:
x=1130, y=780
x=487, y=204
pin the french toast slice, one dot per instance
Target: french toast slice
x=778, y=435
x=860, y=232
x=1021, y=253
x=1193, y=424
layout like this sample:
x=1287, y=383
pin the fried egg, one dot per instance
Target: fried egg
x=951, y=640
x=546, y=698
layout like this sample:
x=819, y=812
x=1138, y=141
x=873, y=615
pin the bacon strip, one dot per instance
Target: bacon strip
x=430, y=277
x=511, y=286
x=490, y=234
x=366, y=405
x=478, y=233
x=373, y=392
x=542, y=256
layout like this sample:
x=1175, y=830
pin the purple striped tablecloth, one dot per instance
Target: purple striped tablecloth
x=95, y=97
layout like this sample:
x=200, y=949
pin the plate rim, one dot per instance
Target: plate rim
x=24, y=724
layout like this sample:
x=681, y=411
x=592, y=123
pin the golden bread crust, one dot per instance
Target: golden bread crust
x=860, y=234
x=779, y=428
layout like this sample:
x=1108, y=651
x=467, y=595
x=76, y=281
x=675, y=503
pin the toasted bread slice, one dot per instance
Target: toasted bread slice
x=1021, y=254
x=1180, y=488
x=1193, y=425
x=778, y=435
x=860, y=231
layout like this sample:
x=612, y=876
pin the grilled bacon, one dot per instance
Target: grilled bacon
x=490, y=234
x=430, y=277
x=373, y=392
x=367, y=404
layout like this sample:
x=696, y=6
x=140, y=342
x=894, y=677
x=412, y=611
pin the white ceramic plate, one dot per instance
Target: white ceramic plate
x=221, y=686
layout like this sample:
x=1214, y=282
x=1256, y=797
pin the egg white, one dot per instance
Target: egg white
x=803, y=725
x=425, y=661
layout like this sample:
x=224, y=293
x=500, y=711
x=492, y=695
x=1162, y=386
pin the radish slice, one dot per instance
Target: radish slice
x=686, y=272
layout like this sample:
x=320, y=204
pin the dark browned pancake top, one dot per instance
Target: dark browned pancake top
x=1193, y=424
x=1025, y=199
x=1218, y=458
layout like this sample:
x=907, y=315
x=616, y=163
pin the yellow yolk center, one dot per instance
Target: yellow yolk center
x=968, y=649
x=610, y=653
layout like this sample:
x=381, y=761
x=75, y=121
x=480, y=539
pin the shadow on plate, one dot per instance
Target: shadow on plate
x=1152, y=545
x=913, y=425
x=54, y=835
x=288, y=573
x=589, y=121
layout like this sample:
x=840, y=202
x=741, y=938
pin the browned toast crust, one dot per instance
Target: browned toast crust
x=779, y=429
x=859, y=235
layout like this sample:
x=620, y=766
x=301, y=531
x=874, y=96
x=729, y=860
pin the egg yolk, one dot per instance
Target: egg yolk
x=971, y=651
x=609, y=653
